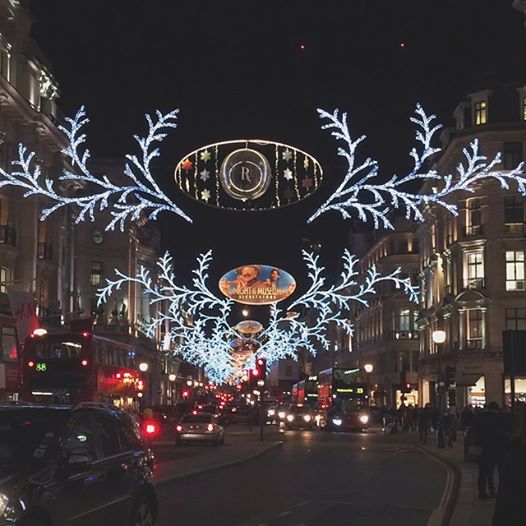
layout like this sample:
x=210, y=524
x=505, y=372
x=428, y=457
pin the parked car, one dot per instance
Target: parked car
x=201, y=427
x=60, y=464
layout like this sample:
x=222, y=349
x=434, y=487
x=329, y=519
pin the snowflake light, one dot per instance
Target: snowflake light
x=129, y=202
x=360, y=194
x=199, y=321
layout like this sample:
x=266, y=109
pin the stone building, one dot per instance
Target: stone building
x=385, y=332
x=473, y=264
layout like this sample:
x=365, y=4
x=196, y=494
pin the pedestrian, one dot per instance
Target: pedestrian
x=509, y=508
x=424, y=422
x=451, y=424
x=467, y=417
x=486, y=431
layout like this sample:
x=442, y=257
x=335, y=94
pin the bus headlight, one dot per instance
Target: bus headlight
x=290, y=418
x=364, y=419
x=271, y=412
x=281, y=414
x=337, y=421
x=307, y=418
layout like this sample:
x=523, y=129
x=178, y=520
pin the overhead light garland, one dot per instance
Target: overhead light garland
x=360, y=196
x=142, y=196
x=200, y=324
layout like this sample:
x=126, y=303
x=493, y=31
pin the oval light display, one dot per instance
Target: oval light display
x=248, y=174
x=249, y=327
x=257, y=284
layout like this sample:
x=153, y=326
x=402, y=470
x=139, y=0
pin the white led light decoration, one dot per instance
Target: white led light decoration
x=199, y=321
x=141, y=196
x=360, y=196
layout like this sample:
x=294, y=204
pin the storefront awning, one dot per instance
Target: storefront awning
x=468, y=379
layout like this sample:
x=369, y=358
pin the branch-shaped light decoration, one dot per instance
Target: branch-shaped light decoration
x=361, y=195
x=199, y=321
x=142, y=196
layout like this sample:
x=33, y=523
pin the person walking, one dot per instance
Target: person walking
x=451, y=425
x=424, y=422
x=509, y=508
x=487, y=435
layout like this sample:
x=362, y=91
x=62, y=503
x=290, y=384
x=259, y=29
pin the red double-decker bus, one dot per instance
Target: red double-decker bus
x=71, y=367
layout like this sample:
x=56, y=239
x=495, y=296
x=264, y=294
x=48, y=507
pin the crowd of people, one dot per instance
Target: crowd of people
x=496, y=436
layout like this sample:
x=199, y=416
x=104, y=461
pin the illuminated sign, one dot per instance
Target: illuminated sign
x=248, y=175
x=249, y=327
x=257, y=284
x=41, y=367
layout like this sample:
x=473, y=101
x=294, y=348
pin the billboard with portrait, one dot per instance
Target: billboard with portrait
x=257, y=284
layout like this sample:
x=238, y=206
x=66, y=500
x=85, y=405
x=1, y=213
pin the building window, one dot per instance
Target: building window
x=97, y=270
x=512, y=155
x=405, y=320
x=8, y=344
x=474, y=327
x=6, y=277
x=514, y=270
x=516, y=319
x=288, y=371
x=524, y=108
x=481, y=112
x=475, y=270
x=474, y=217
x=514, y=213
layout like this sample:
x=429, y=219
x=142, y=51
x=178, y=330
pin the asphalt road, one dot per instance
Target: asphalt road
x=315, y=479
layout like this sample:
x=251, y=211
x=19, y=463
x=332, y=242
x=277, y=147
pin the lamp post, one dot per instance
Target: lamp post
x=439, y=337
x=368, y=368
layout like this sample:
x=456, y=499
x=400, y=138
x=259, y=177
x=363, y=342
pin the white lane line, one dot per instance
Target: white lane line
x=284, y=513
x=304, y=503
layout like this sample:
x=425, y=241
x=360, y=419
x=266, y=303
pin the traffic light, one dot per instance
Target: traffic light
x=450, y=375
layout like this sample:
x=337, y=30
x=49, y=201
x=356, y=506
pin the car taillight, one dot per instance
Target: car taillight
x=179, y=428
x=84, y=363
x=210, y=427
x=150, y=428
x=30, y=364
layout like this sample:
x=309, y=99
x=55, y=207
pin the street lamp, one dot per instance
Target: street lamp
x=172, y=377
x=245, y=312
x=439, y=337
x=368, y=368
x=143, y=367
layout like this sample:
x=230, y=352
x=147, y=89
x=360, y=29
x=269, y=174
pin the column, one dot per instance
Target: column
x=461, y=328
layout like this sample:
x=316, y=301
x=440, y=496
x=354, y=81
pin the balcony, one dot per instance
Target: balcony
x=473, y=230
x=44, y=251
x=7, y=235
x=475, y=284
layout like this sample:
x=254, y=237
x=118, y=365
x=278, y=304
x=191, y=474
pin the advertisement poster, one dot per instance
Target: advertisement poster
x=257, y=284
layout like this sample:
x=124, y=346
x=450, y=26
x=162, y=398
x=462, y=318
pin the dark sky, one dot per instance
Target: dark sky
x=236, y=70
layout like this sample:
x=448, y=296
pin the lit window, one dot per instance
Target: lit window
x=514, y=270
x=97, y=270
x=516, y=319
x=481, y=113
x=524, y=108
x=475, y=269
x=405, y=320
x=475, y=322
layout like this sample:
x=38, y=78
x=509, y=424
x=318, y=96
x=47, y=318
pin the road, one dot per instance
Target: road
x=315, y=479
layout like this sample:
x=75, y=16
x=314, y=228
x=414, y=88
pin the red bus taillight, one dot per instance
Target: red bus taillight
x=31, y=364
x=210, y=427
x=179, y=428
x=85, y=334
x=84, y=363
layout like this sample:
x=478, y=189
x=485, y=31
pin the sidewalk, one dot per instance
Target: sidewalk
x=239, y=447
x=468, y=509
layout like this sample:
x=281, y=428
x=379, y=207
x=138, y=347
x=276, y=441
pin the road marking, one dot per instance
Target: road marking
x=304, y=503
x=284, y=513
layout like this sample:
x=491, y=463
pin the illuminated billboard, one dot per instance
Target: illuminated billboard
x=257, y=284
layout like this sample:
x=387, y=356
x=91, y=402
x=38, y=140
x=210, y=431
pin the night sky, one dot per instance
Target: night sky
x=240, y=69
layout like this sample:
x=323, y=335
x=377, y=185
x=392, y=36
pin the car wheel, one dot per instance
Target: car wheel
x=143, y=514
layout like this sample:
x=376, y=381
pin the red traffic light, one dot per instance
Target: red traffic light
x=255, y=372
x=260, y=361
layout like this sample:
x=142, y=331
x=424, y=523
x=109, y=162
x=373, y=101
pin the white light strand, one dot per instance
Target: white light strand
x=359, y=196
x=199, y=321
x=142, y=196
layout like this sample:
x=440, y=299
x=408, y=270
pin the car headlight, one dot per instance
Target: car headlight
x=271, y=412
x=3, y=503
x=290, y=418
x=337, y=421
x=307, y=418
x=364, y=419
x=281, y=414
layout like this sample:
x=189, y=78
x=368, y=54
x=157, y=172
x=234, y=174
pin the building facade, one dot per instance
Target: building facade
x=473, y=265
x=385, y=332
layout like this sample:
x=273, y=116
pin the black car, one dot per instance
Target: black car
x=81, y=466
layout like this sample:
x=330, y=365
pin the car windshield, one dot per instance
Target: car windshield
x=29, y=435
x=196, y=419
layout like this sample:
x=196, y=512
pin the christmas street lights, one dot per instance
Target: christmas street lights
x=439, y=337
